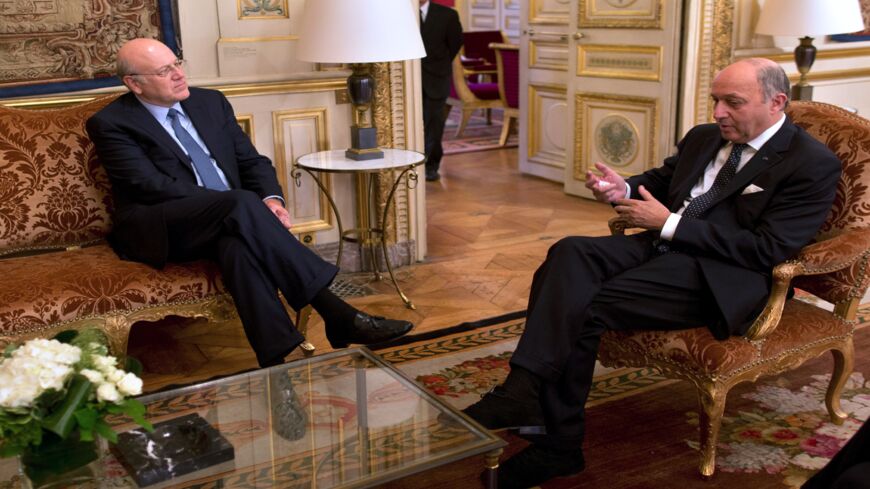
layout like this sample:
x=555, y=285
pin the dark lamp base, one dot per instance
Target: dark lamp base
x=364, y=154
x=802, y=92
x=363, y=144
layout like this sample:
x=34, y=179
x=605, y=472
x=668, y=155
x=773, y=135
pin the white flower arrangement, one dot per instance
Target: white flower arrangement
x=64, y=385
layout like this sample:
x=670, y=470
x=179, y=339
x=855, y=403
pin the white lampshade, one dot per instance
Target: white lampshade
x=359, y=31
x=809, y=17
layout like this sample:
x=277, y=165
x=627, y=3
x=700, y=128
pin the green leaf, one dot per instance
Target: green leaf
x=7, y=352
x=106, y=431
x=133, y=365
x=66, y=336
x=62, y=420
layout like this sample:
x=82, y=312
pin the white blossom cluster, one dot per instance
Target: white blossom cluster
x=113, y=384
x=40, y=365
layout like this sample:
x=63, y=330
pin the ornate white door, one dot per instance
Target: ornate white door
x=602, y=85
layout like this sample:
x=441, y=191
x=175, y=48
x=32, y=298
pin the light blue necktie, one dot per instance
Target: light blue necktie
x=201, y=162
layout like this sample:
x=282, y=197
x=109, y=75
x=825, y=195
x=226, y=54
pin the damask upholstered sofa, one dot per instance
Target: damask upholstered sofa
x=56, y=270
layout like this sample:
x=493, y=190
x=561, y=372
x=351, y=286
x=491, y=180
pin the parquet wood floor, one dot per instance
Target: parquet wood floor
x=489, y=227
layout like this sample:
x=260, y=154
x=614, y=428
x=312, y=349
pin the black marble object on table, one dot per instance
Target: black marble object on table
x=176, y=447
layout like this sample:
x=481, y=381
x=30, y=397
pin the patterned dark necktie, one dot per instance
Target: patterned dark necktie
x=204, y=168
x=700, y=204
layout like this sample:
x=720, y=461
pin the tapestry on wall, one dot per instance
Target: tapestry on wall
x=50, y=46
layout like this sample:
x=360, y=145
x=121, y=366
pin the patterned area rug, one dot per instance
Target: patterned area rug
x=478, y=135
x=776, y=428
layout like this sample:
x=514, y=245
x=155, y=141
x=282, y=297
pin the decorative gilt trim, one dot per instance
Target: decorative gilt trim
x=815, y=76
x=717, y=39
x=583, y=50
x=117, y=326
x=282, y=166
x=838, y=53
x=545, y=64
x=535, y=122
x=246, y=122
x=290, y=37
x=287, y=86
x=539, y=16
x=285, y=16
x=587, y=16
x=230, y=90
x=580, y=103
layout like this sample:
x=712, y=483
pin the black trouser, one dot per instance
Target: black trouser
x=433, y=130
x=257, y=258
x=587, y=286
x=850, y=467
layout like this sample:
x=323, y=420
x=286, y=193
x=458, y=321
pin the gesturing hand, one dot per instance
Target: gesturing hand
x=609, y=187
x=646, y=214
x=279, y=211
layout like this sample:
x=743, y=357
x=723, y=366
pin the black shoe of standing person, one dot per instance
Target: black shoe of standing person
x=537, y=464
x=366, y=330
x=432, y=175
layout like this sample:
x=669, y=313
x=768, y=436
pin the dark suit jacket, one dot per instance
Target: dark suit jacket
x=743, y=236
x=442, y=38
x=147, y=167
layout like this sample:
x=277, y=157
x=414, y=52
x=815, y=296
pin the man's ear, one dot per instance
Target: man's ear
x=131, y=84
x=778, y=102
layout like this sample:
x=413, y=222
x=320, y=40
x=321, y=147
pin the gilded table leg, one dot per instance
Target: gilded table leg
x=712, y=402
x=844, y=360
x=297, y=177
x=490, y=475
x=302, y=318
x=412, y=176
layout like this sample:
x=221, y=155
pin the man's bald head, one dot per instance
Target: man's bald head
x=151, y=71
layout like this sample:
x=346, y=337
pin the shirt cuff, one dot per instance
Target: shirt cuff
x=275, y=197
x=670, y=227
x=627, y=190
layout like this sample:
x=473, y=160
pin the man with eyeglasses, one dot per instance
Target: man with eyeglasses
x=187, y=184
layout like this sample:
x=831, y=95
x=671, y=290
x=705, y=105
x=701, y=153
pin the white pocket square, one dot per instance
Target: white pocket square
x=751, y=189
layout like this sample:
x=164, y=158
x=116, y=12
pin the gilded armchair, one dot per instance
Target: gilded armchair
x=789, y=331
x=508, y=64
x=474, y=71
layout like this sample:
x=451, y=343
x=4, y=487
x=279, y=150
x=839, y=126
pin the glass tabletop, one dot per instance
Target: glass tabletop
x=344, y=419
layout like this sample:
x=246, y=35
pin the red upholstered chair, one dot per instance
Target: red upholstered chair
x=477, y=56
x=470, y=96
x=788, y=332
x=474, y=77
x=508, y=62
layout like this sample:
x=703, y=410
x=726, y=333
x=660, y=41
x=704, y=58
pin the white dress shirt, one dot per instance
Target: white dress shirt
x=706, y=181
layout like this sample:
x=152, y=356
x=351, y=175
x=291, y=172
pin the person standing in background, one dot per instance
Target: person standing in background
x=442, y=37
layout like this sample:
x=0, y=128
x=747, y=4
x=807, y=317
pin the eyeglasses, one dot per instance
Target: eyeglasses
x=164, y=71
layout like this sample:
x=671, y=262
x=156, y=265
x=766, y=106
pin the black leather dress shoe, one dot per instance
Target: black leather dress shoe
x=498, y=409
x=536, y=464
x=432, y=176
x=368, y=329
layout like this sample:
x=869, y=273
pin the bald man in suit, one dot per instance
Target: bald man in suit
x=187, y=184
x=738, y=197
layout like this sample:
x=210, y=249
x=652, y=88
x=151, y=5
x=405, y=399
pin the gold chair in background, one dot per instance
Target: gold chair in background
x=507, y=57
x=788, y=332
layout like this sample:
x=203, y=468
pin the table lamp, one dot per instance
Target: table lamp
x=359, y=32
x=808, y=18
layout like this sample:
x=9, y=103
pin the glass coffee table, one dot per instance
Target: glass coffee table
x=346, y=419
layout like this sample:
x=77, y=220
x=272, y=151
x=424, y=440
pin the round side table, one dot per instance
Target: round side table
x=334, y=161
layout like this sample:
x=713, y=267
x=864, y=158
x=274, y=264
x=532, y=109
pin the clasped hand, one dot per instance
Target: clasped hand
x=277, y=208
x=645, y=213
